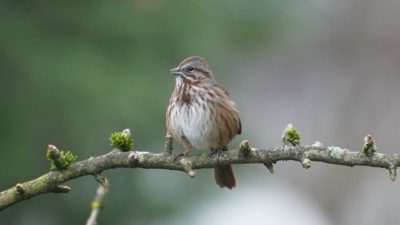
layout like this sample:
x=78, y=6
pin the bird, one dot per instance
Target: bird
x=201, y=114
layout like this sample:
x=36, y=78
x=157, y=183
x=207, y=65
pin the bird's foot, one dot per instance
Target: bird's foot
x=182, y=154
x=217, y=152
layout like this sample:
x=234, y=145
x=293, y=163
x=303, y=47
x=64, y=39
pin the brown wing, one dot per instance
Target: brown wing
x=224, y=91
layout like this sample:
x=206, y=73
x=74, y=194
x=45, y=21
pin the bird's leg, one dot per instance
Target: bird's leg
x=187, y=148
x=169, y=142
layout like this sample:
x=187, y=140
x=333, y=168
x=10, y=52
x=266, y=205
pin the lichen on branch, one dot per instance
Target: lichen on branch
x=122, y=140
x=59, y=159
x=290, y=136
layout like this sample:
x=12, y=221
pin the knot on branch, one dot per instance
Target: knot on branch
x=305, y=161
x=369, y=147
x=244, y=148
x=268, y=161
x=186, y=163
x=133, y=158
x=59, y=160
x=20, y=188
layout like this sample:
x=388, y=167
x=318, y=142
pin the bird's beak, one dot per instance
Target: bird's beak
x=176, y=71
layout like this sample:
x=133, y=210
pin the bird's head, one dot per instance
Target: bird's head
x=193, y=69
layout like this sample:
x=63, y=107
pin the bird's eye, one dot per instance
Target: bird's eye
x=189, y=69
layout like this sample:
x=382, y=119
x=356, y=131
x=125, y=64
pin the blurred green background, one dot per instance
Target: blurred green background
x=72, y=72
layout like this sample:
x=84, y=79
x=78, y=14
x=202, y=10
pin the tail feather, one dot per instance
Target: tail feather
x=224, y=176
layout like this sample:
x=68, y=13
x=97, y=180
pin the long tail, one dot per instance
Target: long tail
x=224, y=176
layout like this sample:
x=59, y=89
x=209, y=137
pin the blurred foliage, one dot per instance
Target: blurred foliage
x=74, y=71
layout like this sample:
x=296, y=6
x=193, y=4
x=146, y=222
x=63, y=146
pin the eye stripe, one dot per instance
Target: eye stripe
x=206, y=73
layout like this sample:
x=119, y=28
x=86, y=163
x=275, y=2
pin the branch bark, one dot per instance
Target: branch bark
x=51, y=181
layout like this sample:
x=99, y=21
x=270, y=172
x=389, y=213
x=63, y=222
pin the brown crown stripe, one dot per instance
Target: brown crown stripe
x=191, y=59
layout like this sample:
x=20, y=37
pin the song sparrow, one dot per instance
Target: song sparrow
x=201, y=114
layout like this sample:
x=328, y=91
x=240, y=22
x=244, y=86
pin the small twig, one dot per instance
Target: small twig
x=392, y=172
x=168, y=147
x=187, y=163
x=98, y=202
x=270, y=167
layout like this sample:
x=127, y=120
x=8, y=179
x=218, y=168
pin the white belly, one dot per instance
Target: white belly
x=194, y=124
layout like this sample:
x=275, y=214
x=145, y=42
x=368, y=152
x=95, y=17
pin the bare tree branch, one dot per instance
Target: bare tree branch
x=51, y=181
